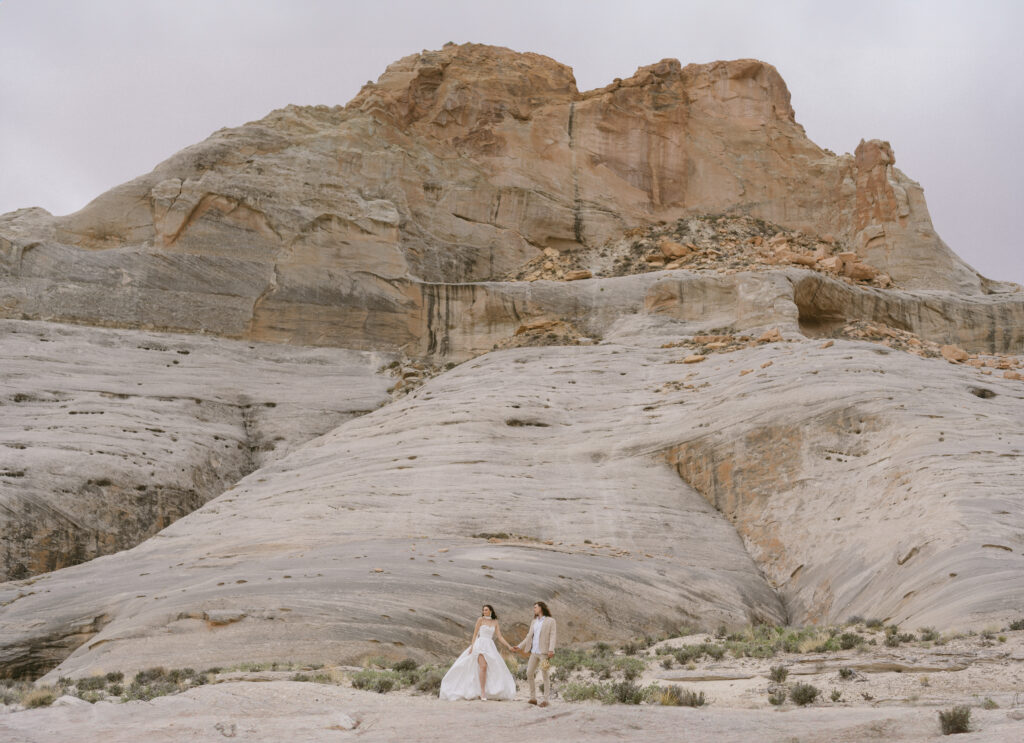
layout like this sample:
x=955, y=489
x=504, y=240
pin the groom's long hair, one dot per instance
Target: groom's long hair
x=544, y=609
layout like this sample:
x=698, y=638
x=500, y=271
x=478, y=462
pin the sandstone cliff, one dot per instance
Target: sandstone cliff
x=337, y=226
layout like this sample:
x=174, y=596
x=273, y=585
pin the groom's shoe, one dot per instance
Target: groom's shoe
x=543, y=704
x=532, y=701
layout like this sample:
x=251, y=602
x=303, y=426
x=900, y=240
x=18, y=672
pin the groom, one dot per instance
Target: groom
x=541, y=642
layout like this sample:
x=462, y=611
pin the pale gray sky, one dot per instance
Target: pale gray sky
x=95, y=93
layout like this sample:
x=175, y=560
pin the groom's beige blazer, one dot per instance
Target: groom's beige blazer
x=547, y=637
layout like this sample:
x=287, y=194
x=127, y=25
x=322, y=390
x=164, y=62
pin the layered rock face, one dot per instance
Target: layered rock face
x=327, y=226
x=646, y=309
x=108, y=436
x=782, y=482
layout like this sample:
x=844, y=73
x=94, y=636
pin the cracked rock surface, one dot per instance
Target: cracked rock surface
x=108, y=436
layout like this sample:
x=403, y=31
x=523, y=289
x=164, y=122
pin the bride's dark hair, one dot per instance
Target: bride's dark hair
x=493, y=615
x=544, y=609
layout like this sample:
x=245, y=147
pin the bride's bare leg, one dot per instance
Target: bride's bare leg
x=482, y=662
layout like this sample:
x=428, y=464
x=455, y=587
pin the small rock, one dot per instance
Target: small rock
x=770, y=336
x=344, y=722
x=223, y=616
x=827, y=344
x=227, y=729
x=577, y=274
x=745, y=372
x=694, y=358
x=1012, y=375
x=766, y=364
x=953, y=354
x=798, y=258
x=551, y=252
x=832, y=263
x=672, y=249
x=1016, y=714
x=655, y=259
x=860, y=271
x=883, y=280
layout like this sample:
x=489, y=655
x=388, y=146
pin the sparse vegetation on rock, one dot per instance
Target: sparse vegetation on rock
x=955, y=720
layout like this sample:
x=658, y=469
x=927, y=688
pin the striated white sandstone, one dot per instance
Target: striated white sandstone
x=107, y=436
x=848, y=480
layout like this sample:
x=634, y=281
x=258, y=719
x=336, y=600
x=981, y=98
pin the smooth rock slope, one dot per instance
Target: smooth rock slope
x=847, y=480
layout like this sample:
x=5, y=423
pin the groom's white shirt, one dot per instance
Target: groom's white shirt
x=537, y=624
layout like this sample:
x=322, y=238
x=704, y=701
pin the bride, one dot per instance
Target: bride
x=480, y=672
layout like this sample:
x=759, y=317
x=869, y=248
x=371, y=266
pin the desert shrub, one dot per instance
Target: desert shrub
x=956, y=720
x=42, y=696
x=778, y=674
x=430, y=681
x=1017, y=624
x=569, y=658
x=803, y=694
x=560, y=674
x=873, y=623
x=895, y=639
x=688, y=653
x=146, y=691
x=989, y=703
x=150, y=674
x=855, y=619
x=602, y=648
x=115, y=677
x=928, y=634
x=626, y=692
x=301, y=677
x=674, y=696
x=406, y=664
x=582, y=692
x=115, y=690
x=9, y=694
x=158, y=681
x=379, y=681
x=777, y=696
x=836, y=695
x=91, y=683
x=631, y=648
x=846, y=673
x=850, y=640
x=631, y=674
x=667, y=662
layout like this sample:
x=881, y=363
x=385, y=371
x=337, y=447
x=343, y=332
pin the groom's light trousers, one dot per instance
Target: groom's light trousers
x=531, y=675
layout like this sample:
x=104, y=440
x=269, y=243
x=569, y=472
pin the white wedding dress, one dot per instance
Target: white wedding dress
x=463, y=679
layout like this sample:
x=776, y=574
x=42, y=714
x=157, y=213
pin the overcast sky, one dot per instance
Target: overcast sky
x=95, y=93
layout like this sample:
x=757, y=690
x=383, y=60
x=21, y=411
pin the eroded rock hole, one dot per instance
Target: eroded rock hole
x=520, y=422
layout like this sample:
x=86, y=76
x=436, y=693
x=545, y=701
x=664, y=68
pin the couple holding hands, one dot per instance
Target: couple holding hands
x=481, y=673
